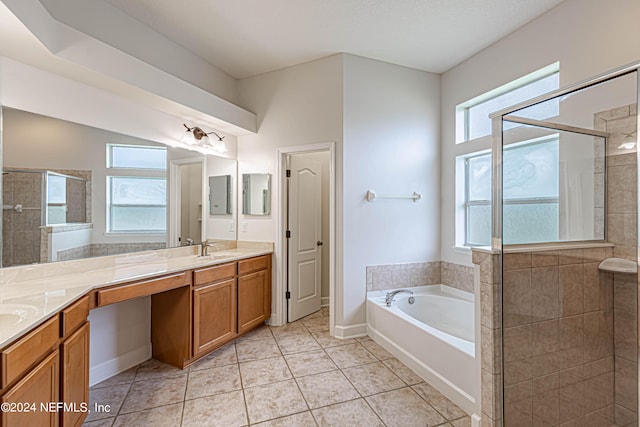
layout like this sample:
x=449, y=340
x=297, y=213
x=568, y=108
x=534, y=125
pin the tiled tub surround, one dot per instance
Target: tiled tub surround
x=569, y=336
x=48, y=288
x=295, y=375
x=393, y=276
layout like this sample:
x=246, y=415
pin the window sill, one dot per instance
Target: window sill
x=135, y=234
x=462, y=249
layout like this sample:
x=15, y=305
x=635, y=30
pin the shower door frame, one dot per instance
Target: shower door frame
x=497, y=176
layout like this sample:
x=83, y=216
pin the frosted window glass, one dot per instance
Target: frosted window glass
x=132, y=157
x=135, y=218
x=138, y=191
x=56, y=214
x=56, y=189
x=531, y=171
x=479, y=230
x=530, y=223
x=479, y=179
x=478, y=122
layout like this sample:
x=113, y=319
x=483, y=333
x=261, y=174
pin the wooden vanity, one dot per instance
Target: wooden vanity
x=193, y=312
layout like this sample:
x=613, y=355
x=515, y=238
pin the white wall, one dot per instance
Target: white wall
x=605, y=36
x=391, y=145
x=390, y=129
x=295, y=106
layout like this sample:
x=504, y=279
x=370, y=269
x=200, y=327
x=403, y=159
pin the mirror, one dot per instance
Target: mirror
x=72, y=191
x=220, y=195
x=256, y=194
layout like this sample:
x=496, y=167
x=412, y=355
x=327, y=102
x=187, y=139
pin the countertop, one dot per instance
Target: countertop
x=30, y=295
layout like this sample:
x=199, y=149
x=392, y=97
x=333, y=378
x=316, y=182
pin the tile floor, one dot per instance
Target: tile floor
x=296, y=375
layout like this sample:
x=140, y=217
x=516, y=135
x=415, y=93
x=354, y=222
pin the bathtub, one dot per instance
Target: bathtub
x=435, y=336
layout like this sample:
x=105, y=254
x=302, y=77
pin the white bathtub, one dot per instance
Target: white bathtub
x=435, y=336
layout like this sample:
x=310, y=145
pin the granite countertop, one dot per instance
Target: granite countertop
x=30, y=295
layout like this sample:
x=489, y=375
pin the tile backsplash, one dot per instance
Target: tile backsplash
x=391, y=276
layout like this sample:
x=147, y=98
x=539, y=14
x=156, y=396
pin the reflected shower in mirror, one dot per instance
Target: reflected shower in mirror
x=72, y=191
x=256, y=194
x=220, y=195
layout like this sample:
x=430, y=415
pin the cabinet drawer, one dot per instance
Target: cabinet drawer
x=253, y=264
x=74, y=316
x=21, y=355
x=142, y=289
x=214, y=274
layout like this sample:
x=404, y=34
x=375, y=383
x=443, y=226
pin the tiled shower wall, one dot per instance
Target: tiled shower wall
x=393, y=276
x=621, y=229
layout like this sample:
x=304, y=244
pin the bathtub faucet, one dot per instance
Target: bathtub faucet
x=389, y=298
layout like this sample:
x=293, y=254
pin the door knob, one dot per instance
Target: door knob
x=318, y=243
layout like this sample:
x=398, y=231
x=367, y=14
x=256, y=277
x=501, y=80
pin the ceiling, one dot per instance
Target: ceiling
x=249, y=37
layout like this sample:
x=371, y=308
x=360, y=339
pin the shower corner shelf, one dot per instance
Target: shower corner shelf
x=618, y=265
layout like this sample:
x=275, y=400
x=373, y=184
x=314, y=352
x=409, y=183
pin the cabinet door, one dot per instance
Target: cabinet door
x=253, y=299
x=214, y=315
x=75, y=376
x=40, y=385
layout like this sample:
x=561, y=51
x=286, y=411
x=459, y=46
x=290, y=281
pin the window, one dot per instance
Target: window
x=136, y=189
x=472, y=117
x=530, y=192
x=56, y=199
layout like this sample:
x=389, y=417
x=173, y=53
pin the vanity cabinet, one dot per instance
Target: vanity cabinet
x=254, y=292
x=214, y=307
x=74, y=376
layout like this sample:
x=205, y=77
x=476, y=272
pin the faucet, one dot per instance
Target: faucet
x=389, y=298
x=204, y=248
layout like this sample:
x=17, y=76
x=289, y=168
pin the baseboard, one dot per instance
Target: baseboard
x=121, y=363
x=352, y=331
x=466, y=402
x=324, y=302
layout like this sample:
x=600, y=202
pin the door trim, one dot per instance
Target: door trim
x=173, y=217
x=279, y=316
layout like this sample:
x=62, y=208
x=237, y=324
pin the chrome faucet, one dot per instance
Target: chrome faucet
x=389, y=298
x=204, y=248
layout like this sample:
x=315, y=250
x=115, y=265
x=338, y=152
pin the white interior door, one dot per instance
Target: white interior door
x=305, y=225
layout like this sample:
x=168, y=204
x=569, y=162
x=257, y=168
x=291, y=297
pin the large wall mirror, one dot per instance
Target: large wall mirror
x=70, y=191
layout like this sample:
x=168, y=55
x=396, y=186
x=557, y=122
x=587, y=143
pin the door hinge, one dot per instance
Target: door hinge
x=288, y=173
x=288, y=234
x=287, y=295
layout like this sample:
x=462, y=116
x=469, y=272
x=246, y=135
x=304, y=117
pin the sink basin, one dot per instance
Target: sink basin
x=213, y=257
x=12, y=314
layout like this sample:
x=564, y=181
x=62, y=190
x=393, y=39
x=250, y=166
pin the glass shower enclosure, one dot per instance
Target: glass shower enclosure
x=564, y=210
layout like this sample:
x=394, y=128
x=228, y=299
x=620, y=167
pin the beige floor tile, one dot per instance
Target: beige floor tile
x=261, y=333
x=275, y=400
x=257, y=349
x=309, y=363
x=226, y=409
x=403, y=408
x=373, y=378
x=347, y=414
x=326, y=389
x=403, y=371
x=325, y=340
x=350, y=355
x=125, y=377
x=289, y=329
x=223, y=356
x=363, y=339
x=377, y=350
x=151, y=394
x=265, y=371
x=315, y=315
x=303, y=419
x=207, y=382
x=315, y=324
x=444, y=406
x=164, y=416
x=153, y=369
x=112, y=396
x=297, y=343
x=462, y=422
x=105, y=422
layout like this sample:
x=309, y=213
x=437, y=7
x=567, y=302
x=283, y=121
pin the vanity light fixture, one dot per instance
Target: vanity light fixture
x=196, y=136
